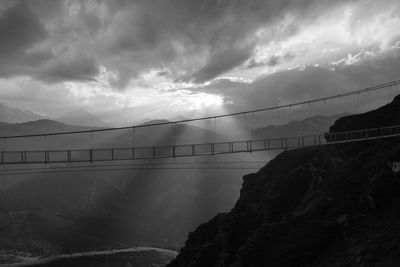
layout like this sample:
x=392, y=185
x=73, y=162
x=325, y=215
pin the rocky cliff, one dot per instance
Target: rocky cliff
x=335, y=205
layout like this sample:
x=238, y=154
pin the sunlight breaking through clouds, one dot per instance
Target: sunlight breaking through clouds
x=101, y=97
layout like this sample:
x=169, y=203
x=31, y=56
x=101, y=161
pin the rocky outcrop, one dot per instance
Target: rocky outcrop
x=323, y=206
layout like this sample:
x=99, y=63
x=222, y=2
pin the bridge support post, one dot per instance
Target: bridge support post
x=249, y=146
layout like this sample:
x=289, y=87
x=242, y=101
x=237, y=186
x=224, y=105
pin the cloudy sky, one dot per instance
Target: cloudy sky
x=128, y=60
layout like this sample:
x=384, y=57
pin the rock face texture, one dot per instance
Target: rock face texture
x=335, y=205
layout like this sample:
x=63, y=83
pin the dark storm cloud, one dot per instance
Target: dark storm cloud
x=74, y=67
x=19, y=30
x=235, y=24
x=195, y=40
x=22, y=35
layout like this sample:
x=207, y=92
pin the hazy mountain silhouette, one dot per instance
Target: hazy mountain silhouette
x=38, y=127
x=81, y=117
x=308, y=126
x=15, y=115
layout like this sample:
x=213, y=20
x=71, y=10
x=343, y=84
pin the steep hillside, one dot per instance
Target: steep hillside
x=384, y=116
x=324, y=206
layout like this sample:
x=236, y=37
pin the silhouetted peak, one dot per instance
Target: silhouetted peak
x=43, y=123
x=81, y=117
x=16, y=115
x=387, y=115
x=396, y=99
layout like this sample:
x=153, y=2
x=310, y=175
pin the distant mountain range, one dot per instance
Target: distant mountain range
x=37, y=127
x=15, y=115
x=308, y=126
x=79, y=117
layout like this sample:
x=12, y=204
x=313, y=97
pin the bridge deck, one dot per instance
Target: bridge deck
x=191, y=150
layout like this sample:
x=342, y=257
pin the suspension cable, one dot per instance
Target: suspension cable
x=349, y=93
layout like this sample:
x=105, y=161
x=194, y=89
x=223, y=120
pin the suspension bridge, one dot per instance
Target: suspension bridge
x=132, y=152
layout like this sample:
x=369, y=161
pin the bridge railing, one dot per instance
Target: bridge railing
x=190, y=150
x=361, y=134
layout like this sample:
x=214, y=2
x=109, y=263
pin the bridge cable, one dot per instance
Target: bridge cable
x=349, y=93
x=254, y=125
x=215, y=129
x=390, y=93
x=133, y=136
x=369, y=100
x=279, y=122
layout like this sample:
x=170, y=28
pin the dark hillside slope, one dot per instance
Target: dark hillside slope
x=324, y=206
x=387, y=115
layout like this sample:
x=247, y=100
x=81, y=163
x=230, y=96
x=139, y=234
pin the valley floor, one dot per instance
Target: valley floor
x=139, y=256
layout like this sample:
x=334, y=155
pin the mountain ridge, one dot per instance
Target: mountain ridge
x=320, y=206
x=81, y=117
x=15, y=115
